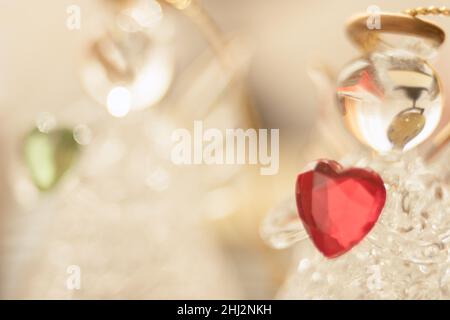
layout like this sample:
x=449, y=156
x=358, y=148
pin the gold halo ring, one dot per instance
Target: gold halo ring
x=394, y=23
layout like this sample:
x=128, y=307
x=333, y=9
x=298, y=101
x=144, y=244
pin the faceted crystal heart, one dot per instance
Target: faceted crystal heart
x=49, y=156
x=338, y=207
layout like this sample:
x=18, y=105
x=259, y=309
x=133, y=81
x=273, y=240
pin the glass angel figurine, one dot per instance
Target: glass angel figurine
x=377, y=225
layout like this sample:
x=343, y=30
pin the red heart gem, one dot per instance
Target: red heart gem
x=339, y=207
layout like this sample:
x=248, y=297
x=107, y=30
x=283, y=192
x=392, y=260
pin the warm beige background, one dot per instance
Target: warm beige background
x=39, y=60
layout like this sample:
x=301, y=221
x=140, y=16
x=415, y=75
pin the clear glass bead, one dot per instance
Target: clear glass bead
x=391, y=100
x=130, y=66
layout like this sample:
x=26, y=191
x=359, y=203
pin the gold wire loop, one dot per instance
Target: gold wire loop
x=397, y=23
x=406, y=23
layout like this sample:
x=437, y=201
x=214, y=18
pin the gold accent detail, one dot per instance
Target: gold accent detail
x=397, y=23
x=431, y=10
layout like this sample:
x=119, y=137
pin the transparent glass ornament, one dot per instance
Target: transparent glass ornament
x=114, y=216
x=130, y=66
x=391, y=100
x=405, y=256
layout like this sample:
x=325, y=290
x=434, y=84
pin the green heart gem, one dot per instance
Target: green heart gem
x=49, y=156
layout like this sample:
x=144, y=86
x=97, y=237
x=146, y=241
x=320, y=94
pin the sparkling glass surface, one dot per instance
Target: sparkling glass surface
x=405, y=256
x=391, y=100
